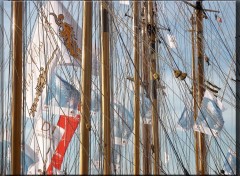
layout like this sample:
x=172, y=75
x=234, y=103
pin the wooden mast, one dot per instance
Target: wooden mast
x=17, y=8
x=146, y=132
x=136, y=88
x=152, y=43
x=105, y=89
x=237, y=88
x=86, y=87
x=194, y=92
x=202, y=169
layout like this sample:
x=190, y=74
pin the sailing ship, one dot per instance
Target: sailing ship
x=121, y=87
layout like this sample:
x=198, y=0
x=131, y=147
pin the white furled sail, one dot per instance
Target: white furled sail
x=210, y=120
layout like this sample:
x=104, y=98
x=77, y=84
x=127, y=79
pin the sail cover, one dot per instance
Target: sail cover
x=210, y=119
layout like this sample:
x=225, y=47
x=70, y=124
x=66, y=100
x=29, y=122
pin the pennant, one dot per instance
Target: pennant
x=171, y=41
x=210, y=119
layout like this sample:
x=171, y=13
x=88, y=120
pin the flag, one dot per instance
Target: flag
x=40, y=50
x=171, y=41
x=210, y=119
x=52, y=87
x=218, y=19
x=45, y=51
x=63, y=98
x=186, y=120
x=220, y=105
x=229, y=166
